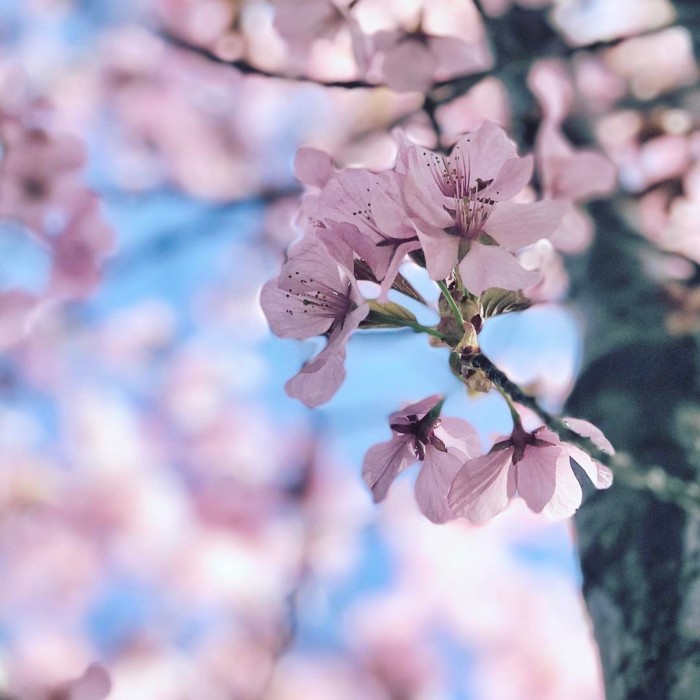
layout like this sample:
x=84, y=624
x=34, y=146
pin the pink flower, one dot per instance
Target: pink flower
x=370, y=206
x=315, y=295
x=440, y=444
x=536, y=466
x=460, y=210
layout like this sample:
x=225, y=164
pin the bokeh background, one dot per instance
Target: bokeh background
x=169, y=519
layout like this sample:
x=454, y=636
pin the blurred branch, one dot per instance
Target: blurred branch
x=429, y=107
x=247, y=68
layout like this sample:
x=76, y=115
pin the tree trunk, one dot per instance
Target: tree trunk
x=640, y=556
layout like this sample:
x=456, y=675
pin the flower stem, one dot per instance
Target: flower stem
x=514, y=393
x=418, y=328
x=452, y=303
x=400, y=322
x=511, y=406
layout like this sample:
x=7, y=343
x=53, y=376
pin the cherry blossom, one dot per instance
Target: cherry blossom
x=460, y=208
x=314, y=295
x=534, y=465
x=440, y=444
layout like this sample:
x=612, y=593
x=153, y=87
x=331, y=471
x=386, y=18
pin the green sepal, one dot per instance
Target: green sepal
x=496, y=301
x=388, y=315
x=401, y=284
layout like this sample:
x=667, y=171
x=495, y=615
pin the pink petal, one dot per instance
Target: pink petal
x=586, y=175
x=511, y=179
x=284, y=312
x=552, y=148
x=481, y=489
x=340, y=240
x=302, y=25
x=398, y=256
x=440, y=251
x=16, y=310
x=94, y=684
x=310, y=264
x=600, y=475
x=423, y=188
x=388, y=208
x=595, y=434
x=515, y=226
x=321, y=377
x=459, y=436
x=567, y=493
x=419, y=409
x=551, y=83
x=361, y=45
x=489, y=266
x=347, y=198
x=313, y=167
x=436, y=475
x=409, y=65
x=457, y=57
x=485, y=151
x=574, y=232
x=536, y=475
x=403, y=146
x=384, y=462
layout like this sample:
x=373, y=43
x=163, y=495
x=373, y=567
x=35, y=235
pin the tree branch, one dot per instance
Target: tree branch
x=682, y=493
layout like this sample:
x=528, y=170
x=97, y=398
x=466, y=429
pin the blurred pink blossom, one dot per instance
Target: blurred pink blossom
x=567, y=174
x=414, y=61
x=37, y=174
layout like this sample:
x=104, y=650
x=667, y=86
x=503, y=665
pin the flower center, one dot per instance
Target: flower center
x=422, y=431
x=319, y=298
x=454, y=179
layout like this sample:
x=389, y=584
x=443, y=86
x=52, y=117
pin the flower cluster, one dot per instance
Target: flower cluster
x=454, y=481
x=460, y=217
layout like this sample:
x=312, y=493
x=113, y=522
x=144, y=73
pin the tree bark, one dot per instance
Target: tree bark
x=640, y=557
